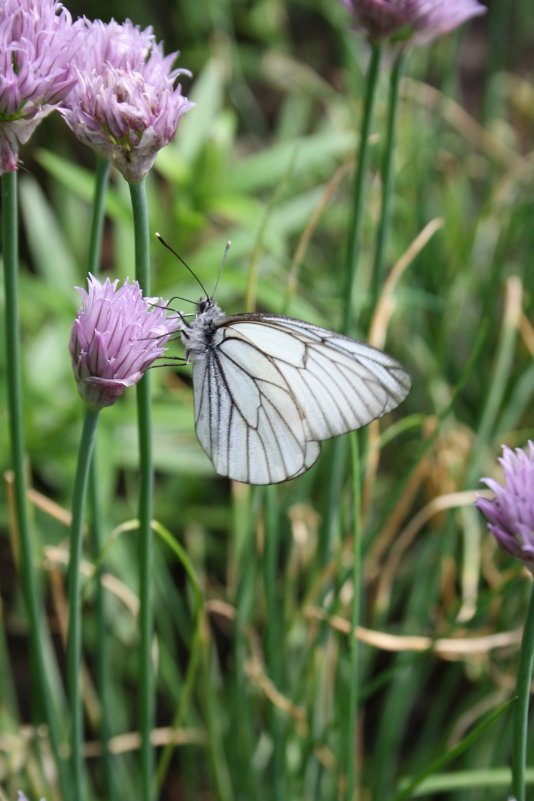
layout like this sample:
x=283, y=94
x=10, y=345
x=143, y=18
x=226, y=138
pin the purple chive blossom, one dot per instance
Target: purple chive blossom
x=411, y=21
x=510, y=514
x=126, y=103
x=431, y=19
x=36, y=44
x=115, y=337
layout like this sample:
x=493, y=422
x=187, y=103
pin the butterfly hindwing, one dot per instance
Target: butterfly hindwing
x=250, y=427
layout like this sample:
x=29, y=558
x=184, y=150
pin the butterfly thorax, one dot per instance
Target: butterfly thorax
x=198, y=336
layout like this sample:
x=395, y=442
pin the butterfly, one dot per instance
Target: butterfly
x=269, y=389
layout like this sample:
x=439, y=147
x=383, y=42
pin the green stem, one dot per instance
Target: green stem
x=101, y=666
x=387, y=175
x=273, y=644
x=97, y=221
x=353, y=250
x=336, y=476
x=197, y=645
x=524, y=678
x=352, y=705
x=244, y=742
x=95, y=515
x=141, y=233
x=359, y=184
x=74, y=635
x=146, y=470
x=16, y=433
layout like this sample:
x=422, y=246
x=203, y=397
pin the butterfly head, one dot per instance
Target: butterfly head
x=205, y=305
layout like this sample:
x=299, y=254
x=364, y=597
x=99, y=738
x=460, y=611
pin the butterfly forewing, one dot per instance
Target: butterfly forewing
x=269, y=389
x=340, y=384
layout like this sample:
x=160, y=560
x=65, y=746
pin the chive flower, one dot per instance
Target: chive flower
x=510, y=514
x=411, y=22
x=126, y=103
x=115, y=337
x=36, y=44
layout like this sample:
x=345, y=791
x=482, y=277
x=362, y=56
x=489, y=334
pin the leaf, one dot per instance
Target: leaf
x=81, y=182
x=51, y=252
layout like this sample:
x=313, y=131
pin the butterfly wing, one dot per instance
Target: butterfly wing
x=270, y=388
x=247, y=420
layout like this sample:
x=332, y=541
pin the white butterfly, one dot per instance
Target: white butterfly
x=268, y=389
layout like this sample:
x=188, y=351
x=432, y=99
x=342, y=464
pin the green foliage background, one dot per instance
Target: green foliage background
x=265, y=159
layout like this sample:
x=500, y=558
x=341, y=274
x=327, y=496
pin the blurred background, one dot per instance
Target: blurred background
x=266, y=160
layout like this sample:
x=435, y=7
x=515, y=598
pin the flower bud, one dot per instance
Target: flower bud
x=115, y=337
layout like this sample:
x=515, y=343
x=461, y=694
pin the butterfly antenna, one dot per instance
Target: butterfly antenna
x=221, y=265
x=186, y=265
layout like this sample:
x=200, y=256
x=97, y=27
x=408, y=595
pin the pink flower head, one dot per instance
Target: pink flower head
x=126, y=103
x=36, y=44
x=115, y=337
x=510, y=514
x=430, y=19
x=411, y=21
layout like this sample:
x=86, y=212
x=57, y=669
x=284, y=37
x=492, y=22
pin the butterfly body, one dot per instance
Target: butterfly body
x=268, y=389
x=197, y=336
